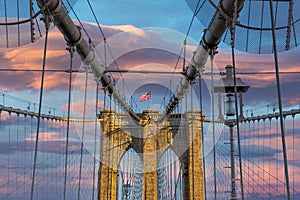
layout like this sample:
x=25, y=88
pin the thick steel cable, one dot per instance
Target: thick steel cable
x=18, y=17
x=6, y=28
x=107, y=47
x=82, y=134
x=286, y=171
x=197, y=9
x=17, y=148
x=261, y=25
x=95, y=139
x=193, y=158
x=8, y=160
x=248, y=22
x=202, y=135
x=47, y=24
x=83, y=27
x=212, y=54
x=34, y=16
x=288, y=37
x=233, y=29
x=108, y=193
x=71, y=50
x=293, y=155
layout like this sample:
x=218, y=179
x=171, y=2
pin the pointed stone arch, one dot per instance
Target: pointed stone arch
x=130, y=176
x=169, y=176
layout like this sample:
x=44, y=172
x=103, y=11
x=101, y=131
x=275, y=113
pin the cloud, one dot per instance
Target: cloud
x=246, y=62
x=77, y=108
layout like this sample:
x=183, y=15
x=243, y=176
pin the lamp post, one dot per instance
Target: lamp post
x=226, y=85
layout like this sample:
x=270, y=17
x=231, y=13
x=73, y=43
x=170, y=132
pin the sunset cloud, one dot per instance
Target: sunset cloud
x=151, y=49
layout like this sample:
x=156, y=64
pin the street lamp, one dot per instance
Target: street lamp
x=230, y=105
x=226, y=85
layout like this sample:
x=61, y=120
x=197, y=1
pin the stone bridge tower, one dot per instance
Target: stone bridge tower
x=181, y=132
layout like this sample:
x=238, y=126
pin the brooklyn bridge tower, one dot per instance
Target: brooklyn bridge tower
x=151, y=160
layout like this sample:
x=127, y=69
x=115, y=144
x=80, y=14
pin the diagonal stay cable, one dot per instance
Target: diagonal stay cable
x=108, y=47
x=47, y=24
x=71, y=50
x=83, y=131
x=286, y=171
x=95, y=139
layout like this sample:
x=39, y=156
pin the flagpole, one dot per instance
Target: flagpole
x=150, y=102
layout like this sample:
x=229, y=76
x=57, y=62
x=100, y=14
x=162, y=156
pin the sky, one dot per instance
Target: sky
x=142, y=35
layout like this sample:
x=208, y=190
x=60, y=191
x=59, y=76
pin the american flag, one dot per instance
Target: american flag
x=146, y=96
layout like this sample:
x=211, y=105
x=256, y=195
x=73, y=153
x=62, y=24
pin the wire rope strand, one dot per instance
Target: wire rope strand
x=9, y=141
x=18, y=18
x=107, y=47
x=293, y=156
x=202, y=136
x=95, y=140
x=184, y=43
x=6, y=27
x=71, y=51
x=286, y=171
x=82, y=134
x=47, y=24
x=233, y=29
x=213, y=121
x=17, y=148
x=109, y=150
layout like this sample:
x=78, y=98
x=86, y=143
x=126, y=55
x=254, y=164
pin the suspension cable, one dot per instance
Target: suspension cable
x=212, y=54
x=83, y=130
x=286, y=171
x=46, y=19
x=202, y=135
x=95, y=139
x=6, y=27
x=107, y=47
x=233, y=29
x=183, y=49
x=71, y=49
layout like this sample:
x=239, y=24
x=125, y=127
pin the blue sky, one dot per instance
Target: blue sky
x=147, y=13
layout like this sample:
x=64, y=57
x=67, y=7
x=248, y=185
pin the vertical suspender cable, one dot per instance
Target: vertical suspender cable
x=286, y=171
x=109, y=155
x=6, y=27
x=82, y=134
x=8, y=160
x=202, y=135
x=71, y=50
x=95, y=139
x=18, y=11
x=293, y=156
x=31, y=21
x=17, y=148
x=233, y=29
x=47, y=24
x=25, y=148
x=270, y=144
x=213, y=120
x=193, y=158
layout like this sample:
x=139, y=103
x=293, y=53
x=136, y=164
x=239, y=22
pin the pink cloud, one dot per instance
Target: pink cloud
x=259, y=63
x=48, y=137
